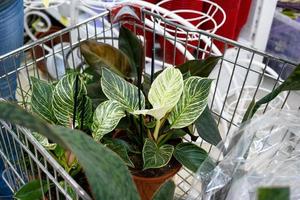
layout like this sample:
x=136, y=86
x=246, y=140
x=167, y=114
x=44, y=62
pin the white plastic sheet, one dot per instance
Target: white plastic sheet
x=263, y=153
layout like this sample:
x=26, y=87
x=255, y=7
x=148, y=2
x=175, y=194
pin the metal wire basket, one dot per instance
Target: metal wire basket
x=243, y=68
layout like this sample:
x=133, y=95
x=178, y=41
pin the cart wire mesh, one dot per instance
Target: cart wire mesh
x=241, y=75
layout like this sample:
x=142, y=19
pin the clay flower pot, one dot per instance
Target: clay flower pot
x=147, y=186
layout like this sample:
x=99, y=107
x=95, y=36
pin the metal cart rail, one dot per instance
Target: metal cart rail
x=242, y=74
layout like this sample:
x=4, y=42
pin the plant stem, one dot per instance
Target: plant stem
x=156, y=131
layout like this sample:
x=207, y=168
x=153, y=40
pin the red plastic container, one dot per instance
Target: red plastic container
x=148, y=34
x=178, y=58
x=237, y=12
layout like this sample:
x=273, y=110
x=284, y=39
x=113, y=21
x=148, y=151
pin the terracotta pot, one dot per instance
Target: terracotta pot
x=147, y=185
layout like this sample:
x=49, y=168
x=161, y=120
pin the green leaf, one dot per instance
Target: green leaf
x=44, y=141
x=117, y=89
x=124, y=123
x=154, y=156
x=94, y=92
x=165, y=192
x=106, y=117
x=59, y=151
x=107, y=174
x=291, y=83
x=91, y=74
x=164, y=93
x=275, y=193
x=133, y=48
x=177, y=133
x=207, y=128
x=41, y=99
x=200, y=68
x=190, y=155
x=192, y=102
x=120, y=148
x=69, y=189
x=98, y=55
x=33, y=190
x=170, y=135
x=63, y=101
x=146, y=83
x=150, y=124
x=105, y=170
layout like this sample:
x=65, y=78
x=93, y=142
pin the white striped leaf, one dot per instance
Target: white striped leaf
x=164, y=93
x=44, y=141
x=192, y=102
x=106, y=117
x=41, y=99
x=154, y=156
x=117, y=89
x=63, y=101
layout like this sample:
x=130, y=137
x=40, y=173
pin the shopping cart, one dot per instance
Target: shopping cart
x=26, y=159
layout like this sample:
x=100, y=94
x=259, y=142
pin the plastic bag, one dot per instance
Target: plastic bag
x=283, y=42
x=263, y=153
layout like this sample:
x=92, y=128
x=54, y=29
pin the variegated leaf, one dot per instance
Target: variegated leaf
x=63, y=101
x=154, y=156
x=158, y=113
x=117, y=89
x=44, y=141
x=192, y=102
x=106, y=117
x=164, y=93
x=41, y=99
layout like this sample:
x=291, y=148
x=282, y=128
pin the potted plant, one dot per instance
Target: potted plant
x=111, y=178
x=141, y=132
x=157, y=148
x=154, y=152
x=150, y=145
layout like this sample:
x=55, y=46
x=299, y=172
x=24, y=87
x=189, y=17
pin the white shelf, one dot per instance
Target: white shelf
x=257, y=29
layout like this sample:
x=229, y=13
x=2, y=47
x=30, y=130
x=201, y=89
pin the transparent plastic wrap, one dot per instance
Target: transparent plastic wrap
x=264, y=153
